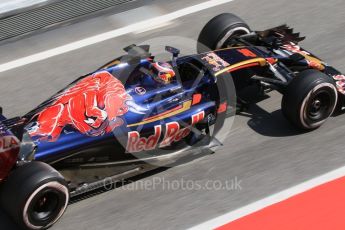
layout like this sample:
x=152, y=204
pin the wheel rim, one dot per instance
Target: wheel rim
x=46, y=206
x=236, y=34
x=319, y=105
x=238, y=31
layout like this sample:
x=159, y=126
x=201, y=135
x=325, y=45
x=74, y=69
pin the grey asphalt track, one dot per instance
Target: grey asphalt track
x=263, y=152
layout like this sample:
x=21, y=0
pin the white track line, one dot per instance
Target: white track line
x=150, y=23
x=271, y=200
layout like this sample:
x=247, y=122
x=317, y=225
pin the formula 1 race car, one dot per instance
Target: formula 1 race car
x=133, y=112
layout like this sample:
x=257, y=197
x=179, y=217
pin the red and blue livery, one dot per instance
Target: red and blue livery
x=137, y=113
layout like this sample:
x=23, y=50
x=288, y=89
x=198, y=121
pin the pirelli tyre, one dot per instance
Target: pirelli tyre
x=35, y=195
x=310, y=99
x=219, y=31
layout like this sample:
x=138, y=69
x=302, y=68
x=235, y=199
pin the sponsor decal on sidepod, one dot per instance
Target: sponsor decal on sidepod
x=173, y=133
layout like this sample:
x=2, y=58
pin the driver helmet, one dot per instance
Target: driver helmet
x=163, y=72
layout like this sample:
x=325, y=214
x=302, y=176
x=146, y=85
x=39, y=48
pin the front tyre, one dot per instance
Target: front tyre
x=310, y=99
x=219, y=32
x=35, y=195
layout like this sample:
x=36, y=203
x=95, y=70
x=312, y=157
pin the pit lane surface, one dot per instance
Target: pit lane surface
x=263, y=151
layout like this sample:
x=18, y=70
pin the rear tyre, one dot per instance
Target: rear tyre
x=310, y=99
x=35, y=195
x=219, y=31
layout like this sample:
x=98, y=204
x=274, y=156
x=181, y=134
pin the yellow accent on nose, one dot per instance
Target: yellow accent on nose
x=261, y=61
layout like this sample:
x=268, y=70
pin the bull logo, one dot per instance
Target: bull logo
x=92, y=106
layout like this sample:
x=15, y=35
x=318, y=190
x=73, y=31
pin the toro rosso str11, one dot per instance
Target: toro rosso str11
x=133, y=111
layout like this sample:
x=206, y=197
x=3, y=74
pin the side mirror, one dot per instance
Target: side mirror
x=173, y=50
